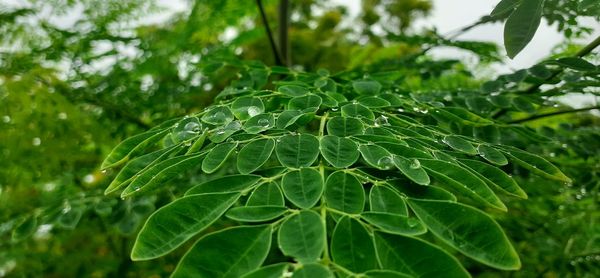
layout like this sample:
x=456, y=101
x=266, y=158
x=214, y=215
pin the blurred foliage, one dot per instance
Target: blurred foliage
x=76, y=77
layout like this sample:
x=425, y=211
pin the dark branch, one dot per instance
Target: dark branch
x=284, y=24
x=276, y=54
x=551, y=114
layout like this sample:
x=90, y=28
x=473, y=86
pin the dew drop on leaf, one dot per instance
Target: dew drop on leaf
x=253, y=111
x=415, y=164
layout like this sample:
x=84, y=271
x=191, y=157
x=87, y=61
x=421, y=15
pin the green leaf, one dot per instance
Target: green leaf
x=412, y=169
x=302, y=236
x=460, y=144
x=366, y=87
x=416, y=257
x=421, y=192
x=535, y=164
x=340, y=152
x=161, y=172
x=254, y=154
x=297, y=151
x=266, y=194
x=227, y=253
x=384, y=199
x=357, y=110
x=343, y=126
x=219, y=115
x=303, y=187
x=496, y=177
x=503, y=7
x=460, y=116
x=352, y=246
x=220, y=134
x=293, y=90
x=576, y=63
x=259, y=123
x=70, y=219
x=269, y=271
x=247, y=107
x=186, y=129
x=462, y=180
x=394, y=223
x=374, y=102
x=521, y=25
x=306, y=104
x=255, y=213
x=344, y=192
x=127, y=174
x=131, y=146
x=384, y=274
x=313, y=271
x=404, y=151
x=234, y=183
x=217, y=156
x=377, y=156
x=288, y=118
x=24, y=229
x=474, y=233
x=175, y=223
x=492, y=155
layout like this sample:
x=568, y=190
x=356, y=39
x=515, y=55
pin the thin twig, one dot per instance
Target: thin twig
x=539, y=116
x=278, y=60
x=533, y=88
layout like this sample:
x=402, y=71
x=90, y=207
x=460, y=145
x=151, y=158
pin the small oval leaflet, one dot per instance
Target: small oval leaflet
x=297, y=151
x=344, y=192
x=303, y=187
x=344, y=126
x=302, y=236
x=254, y=154
x=340, y=152
x=217, y=156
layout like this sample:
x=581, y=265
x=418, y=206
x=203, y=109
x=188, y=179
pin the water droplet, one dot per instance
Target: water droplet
x=192, y=126
x=220, y=132
x=137, y=189
x=253, y=111
x=385, y=162
x=564, y=146
x=400, y=110
x=354, y=102
x=448, y=97
x=412, y=222
x=381, y=120
x=6, y=119
x=36, y=141
x=218, y=115
x=62, y=116
x=187, y=143
x=264, y=122
x=415, y=164
x=552, y=154
x=495, y=94
x=334, y=109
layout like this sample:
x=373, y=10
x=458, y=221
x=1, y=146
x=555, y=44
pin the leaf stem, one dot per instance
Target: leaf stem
x=556, y=113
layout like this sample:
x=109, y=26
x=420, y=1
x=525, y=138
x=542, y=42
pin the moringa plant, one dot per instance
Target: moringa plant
x=326, y=175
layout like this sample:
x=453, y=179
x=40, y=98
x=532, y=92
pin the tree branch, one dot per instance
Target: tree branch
x=284, y=24
x=533, y=88
x=556, y=113
x=276, y=54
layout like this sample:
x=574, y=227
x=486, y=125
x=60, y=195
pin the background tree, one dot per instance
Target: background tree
x=107, y=77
